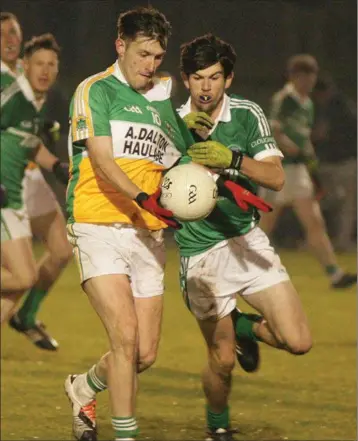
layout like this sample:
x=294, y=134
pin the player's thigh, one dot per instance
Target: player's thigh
x=219, y=336
x=51, y=229
x=282, y=308
x=149, y=316
x=38, y=195
x=17, y=257
x=309, y=213
x=147, y=262
x=112, y=299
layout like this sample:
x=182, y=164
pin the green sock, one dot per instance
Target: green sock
x=217, y=420
x=331, y=270
x=125, y=427
x=27, y=312
x=244, y=323
x=96, y=383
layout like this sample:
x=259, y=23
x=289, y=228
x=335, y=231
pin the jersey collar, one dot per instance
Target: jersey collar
x=5, y=69
x=159, y=92
x=224, y=115
x=290, y=90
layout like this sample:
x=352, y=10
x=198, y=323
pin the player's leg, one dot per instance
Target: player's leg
x=309, y=214
x=47, y=224
x=97, y=254
x=286, y=323
x=18, y=273
x=217, y=375
x=268, y=221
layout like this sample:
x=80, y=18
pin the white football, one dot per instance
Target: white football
x=189, y=191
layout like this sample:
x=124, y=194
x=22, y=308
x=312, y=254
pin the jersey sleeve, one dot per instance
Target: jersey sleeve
x=260, y=142
x=89, y=113
x=282, y=107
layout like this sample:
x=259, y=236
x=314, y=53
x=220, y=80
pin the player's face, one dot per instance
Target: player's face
x=41, y=69
x=207, y=88
x=305, y=82
x=139, y=60
x=11, y=38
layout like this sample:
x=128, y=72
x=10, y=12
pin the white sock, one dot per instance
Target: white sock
x=82, y=390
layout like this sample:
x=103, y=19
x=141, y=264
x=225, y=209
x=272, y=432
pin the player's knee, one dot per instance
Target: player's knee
x=27, y=279
x=222, y=359
x=146, y=360
x=299, y=344
x=63, y=254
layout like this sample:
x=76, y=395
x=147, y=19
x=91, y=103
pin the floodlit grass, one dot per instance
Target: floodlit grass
x=312, y=397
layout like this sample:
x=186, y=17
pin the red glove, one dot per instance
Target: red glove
x=244, y=198
x=150, y=203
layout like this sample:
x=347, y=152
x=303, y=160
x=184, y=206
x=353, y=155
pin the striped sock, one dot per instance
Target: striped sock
x=95, y=383
x=125, y=428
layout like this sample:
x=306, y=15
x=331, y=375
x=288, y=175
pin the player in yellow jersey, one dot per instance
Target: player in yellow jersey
x=46, y=218
x=124, y=133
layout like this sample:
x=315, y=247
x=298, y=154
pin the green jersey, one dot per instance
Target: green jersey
x=21, y=122
x=241, y=126
x=8, y=76
x=294, y=116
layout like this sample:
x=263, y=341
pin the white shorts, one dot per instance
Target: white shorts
x=15, y=224
x=298, y=185
x=38, y=196
x=120, y=249
x=241, y=265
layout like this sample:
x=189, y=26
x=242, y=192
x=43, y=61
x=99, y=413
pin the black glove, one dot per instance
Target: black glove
x=3, y=196
x=61, y=171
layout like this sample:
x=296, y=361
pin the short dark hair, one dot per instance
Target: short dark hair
x=205, y=51
x=44, y=41
x=8, y=16
x=302, y=63
x=148, y=22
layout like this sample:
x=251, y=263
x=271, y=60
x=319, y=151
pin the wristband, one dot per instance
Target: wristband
x=236, y=160
x=141, y=197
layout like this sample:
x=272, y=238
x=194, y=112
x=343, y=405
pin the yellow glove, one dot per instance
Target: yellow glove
x=198, y=121
x=214, y=154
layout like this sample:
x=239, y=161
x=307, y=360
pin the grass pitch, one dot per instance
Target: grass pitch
x=312, y=397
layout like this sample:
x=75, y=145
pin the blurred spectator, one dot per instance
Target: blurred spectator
x=335, y=138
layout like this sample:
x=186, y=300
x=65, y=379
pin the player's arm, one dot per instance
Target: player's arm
x=286, y=145
x=281, y=109
x=261, y=162
x=100, y=152
x=51, y=163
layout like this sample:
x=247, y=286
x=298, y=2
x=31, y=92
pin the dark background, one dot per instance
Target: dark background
x=264, y=34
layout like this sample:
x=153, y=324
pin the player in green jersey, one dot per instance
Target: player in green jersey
x=46, y=218
x=22, y=116
x=292, y=117
x=227, y=253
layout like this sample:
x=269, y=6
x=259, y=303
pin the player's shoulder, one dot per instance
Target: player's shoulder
x=10, y=91
x=283, y=96
x=94, y=84
x=242, y=108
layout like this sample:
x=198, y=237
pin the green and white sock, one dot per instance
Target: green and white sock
x=334, y=272
x=96, y=383
x=125, y=428
x=243, y=324
x=84, y=393
x=29, y=309
x=217, y=420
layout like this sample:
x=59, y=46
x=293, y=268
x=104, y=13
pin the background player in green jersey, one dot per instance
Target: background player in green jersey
x=22, y=115
x=292, y=116
x=46, y=218
x=227, y=253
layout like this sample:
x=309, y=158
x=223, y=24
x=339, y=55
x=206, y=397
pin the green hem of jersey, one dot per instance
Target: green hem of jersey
x=76, y=160
x=207, y=248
